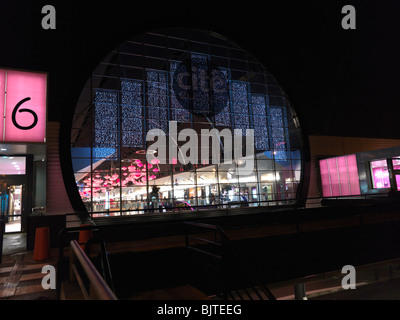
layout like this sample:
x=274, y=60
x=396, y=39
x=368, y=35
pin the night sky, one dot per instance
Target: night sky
x=340, y=82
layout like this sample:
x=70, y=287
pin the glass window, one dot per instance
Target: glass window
x=396, y=163
x=380, y=174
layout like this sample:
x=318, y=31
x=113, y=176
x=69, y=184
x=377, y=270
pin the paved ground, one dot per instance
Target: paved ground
x=20, y=275
x=385, y=290
x=375, y=281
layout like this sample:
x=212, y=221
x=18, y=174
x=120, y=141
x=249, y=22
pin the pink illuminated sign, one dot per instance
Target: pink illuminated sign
x=339, y=176
x=23, y=105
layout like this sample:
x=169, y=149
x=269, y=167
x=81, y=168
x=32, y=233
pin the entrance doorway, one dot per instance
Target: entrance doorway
x=22, y=184
x=13, y=192
x=13, y=214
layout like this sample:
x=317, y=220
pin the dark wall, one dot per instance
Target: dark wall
x=39, y=184
x=334, y=77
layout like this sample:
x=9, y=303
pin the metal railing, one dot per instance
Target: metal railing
x=92, y=285
x=238, y=205
x=225, y=250
x=104, y=262
x=235, y=205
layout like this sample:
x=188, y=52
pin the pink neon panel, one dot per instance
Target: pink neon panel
x=353, y=175
x=343, y=176
x=333, y=174
x=2, y=93
x=326, y=190
x=22, y=85
x=339, y=176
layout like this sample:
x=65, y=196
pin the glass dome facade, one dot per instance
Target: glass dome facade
x=163, y=122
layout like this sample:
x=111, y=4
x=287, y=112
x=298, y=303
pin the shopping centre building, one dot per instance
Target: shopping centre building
x=192, y=85
x=169, y=122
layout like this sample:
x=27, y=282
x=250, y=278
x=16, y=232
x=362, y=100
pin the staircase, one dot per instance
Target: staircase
x=220, y=270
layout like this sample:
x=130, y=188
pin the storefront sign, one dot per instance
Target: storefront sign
x=23, y=106
x=196, y=81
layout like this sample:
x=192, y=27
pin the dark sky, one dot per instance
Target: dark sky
x=341, y=82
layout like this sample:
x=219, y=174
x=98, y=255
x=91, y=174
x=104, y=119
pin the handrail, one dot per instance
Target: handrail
x=203, y=225
x=98, y=287
x=104, y=261
x=194, y=208
x=226, y=206
x=226, y=242
x=217, y=207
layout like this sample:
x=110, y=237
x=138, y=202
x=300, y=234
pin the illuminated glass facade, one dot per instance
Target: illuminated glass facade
x=186, y=79
x=339, y=176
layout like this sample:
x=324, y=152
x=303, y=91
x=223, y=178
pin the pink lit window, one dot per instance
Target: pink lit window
x=339, y=176
x=343, y=176
x=398, y=181
x=334, y=177
x=326, y=189
x=396, y=163
x=380, y=174
x=354, y=182
x=396, y=166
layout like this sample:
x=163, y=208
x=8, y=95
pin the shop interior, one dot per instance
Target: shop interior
x=22, y=183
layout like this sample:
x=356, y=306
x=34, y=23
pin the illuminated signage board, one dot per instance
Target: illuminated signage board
x=23, y=106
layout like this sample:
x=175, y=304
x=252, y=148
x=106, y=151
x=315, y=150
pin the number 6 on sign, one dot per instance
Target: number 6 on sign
x=35, y=118
x=23, y=103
